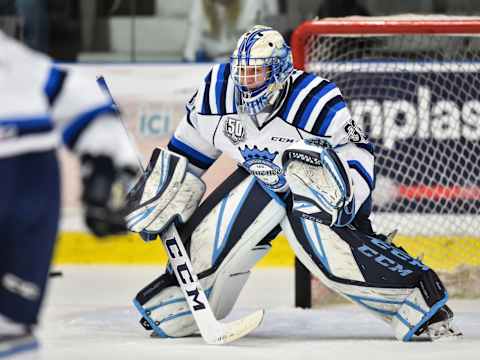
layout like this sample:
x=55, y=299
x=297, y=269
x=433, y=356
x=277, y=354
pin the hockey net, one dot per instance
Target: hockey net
x=413, y=84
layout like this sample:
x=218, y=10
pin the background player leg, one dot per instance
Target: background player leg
x=29, y=218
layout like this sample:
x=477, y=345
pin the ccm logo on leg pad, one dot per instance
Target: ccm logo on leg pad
x=390, y=262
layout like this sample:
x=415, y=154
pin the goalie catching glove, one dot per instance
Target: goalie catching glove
x=103, y=195
x=166, y=191
x=320, y=183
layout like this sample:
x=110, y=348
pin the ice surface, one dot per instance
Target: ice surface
x=88, y=315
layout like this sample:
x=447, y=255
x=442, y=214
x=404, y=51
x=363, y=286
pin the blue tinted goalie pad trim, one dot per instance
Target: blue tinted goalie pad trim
x=321, y=256
x=347, y=214
x=156, y=328
x=413, y=329
x=427, y=317
x=272, y=194
x=217, y=230
x=218, y=250
x=152, y=324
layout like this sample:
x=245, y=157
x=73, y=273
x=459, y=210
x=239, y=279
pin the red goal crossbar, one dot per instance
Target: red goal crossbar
x=375, y=26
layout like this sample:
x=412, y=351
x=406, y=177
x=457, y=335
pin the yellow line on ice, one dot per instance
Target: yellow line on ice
x=82, y=248
x=442, y=252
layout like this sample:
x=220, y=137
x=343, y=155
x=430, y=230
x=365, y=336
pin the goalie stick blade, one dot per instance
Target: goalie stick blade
x=228, y=332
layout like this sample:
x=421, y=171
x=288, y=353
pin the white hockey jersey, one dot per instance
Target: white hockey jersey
x=309, y=107
x=42, y=104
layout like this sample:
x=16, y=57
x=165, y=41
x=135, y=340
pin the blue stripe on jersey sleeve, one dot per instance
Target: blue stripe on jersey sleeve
x=219, y=88
x=315, y=98
x=330, y=115
x=355, y=164
x=194, y=156
x=73, y=130
x=235, y=100
x=54, y=84
x=223, y=95
x=304, y=80
x=25, y=126
x=206, y=93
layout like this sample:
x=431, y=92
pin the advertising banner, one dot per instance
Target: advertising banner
x=426, y=127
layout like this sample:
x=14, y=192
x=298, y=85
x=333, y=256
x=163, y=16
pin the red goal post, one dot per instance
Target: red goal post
x=412, y=82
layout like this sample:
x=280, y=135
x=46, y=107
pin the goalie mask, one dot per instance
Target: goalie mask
x=260, y=65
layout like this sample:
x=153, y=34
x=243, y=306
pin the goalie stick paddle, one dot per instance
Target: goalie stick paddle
x=212, y=330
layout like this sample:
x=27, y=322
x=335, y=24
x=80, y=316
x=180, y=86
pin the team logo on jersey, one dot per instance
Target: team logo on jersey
x=260, y=164
x=234, y=130
x=354, y=132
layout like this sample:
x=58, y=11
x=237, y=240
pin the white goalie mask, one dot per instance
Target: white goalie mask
x=260, y=66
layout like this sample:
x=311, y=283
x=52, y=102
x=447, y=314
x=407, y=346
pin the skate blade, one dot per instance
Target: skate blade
x=444, y=331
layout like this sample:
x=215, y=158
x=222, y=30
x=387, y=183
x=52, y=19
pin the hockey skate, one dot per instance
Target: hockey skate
x=440, y=326
x=16, y=343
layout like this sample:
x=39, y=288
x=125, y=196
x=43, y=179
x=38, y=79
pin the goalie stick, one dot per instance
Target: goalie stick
x=212, y=330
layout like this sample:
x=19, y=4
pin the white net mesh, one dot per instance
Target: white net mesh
x=418, y=99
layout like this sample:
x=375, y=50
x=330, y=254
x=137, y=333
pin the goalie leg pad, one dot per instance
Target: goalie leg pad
x=167, y=313
x=165, y=191
x=222, y=239
x=380, y=277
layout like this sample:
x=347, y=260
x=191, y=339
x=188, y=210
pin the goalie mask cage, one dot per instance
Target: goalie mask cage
x=413, y=85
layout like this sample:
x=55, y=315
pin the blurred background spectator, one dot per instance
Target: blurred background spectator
x=9, y=21
x=35, y=20
x=180, y=30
